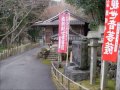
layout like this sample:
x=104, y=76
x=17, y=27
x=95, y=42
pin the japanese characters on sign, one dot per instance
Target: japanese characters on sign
x=63, y=32
x=112, y=31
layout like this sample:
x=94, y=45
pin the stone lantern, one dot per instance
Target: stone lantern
x=93, y=44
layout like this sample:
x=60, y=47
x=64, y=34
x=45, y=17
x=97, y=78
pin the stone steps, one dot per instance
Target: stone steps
x=53, y=56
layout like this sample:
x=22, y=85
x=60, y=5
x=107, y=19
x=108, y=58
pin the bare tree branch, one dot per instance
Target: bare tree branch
x=15, y=27
x=18, y=33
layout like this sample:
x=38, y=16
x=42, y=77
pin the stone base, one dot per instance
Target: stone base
x=75, y=74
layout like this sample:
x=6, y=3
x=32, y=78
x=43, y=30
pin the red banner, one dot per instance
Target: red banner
x=63, y=32
x=112, y=31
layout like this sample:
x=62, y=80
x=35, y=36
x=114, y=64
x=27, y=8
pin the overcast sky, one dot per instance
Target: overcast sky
x=56, y=0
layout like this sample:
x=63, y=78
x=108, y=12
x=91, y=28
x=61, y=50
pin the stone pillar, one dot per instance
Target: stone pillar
x=118, y=72
x=93, y=57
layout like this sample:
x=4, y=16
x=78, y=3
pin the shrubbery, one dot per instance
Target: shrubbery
x=43, y=53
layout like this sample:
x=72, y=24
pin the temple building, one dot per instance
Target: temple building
x=78, y=28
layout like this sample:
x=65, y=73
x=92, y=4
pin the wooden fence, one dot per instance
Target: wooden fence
x=17, y=50
x=64, y=81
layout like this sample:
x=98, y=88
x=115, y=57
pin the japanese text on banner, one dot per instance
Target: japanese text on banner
x=63, y=32
x=112, y=31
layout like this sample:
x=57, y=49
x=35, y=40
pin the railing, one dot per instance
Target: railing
x=16, y=50
x=64, y=81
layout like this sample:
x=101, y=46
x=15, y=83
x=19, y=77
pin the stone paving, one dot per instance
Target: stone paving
x=25, y=72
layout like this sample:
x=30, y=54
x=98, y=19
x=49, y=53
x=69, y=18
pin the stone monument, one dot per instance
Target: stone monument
x=78, y=69
x=80, y=54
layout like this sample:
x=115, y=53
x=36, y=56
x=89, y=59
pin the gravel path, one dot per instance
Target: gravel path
x=25, y=72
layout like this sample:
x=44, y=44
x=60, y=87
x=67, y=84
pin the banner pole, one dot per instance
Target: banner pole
x=67, y=51
x=104, y=70
x=118, y=66
x=68, y=41
x=118, y=71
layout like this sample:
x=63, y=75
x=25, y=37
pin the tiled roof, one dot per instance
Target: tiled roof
x=54, y=21
x=73, y=22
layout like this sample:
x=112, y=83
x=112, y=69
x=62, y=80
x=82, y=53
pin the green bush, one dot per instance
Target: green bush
x=43, y=53
x=1, y=48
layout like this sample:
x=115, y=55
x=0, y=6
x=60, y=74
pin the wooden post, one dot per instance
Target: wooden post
x=60, y=57
x=80, y=88
x=68, y=84
x=71, y=57
x=8, y=51
x=0, y=56
x=118, y=72
x=17, y=49
x=13, y=49
x=59, y=60
x=67, y=57
x=62, y=79
x=4, y=53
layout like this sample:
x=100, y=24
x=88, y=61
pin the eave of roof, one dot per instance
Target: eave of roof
x=52, y=21
x=56, y=23
x=71, y=37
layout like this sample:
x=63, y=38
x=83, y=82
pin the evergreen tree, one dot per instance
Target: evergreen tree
x=94, y=8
